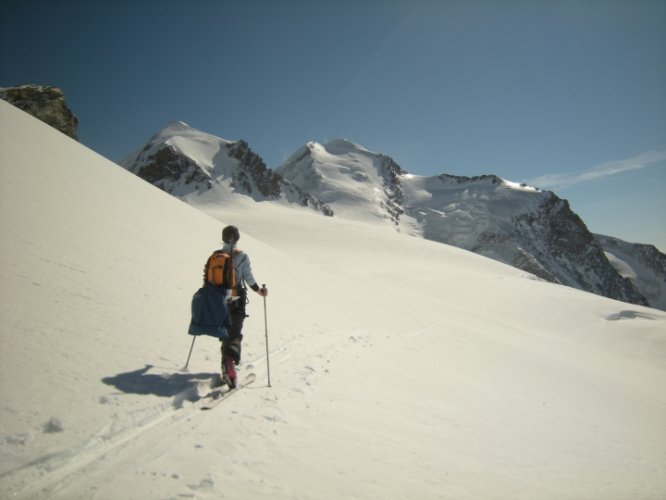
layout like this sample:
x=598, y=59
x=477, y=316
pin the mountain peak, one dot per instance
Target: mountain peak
x=336, y=147
x=343, y=146
x=176, y=128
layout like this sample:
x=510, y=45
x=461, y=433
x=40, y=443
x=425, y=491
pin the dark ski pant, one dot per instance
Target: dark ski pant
x=232, y=346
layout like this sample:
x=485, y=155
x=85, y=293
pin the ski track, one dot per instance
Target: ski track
x=43, y=477
x=56, y=475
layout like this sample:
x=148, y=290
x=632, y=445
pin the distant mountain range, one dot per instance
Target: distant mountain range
x=525, y=227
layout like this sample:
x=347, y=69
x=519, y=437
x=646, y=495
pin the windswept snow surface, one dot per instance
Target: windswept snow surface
x=400, y=368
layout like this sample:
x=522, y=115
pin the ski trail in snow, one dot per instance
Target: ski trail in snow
x=297, y=368
x=43, y=476
x=117, y=440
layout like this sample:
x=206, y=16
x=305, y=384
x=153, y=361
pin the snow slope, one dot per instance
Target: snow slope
x=400, y=368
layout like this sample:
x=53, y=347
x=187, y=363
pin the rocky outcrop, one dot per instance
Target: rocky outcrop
x=558, y=240
x=391, y=174
x=45, y=103
x=166, y=168
x=252, y=172
x=642, y=265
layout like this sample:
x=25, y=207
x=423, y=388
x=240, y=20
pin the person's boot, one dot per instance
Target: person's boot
x=229, y=372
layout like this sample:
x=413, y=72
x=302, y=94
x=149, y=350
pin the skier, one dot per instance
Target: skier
x=236, y=301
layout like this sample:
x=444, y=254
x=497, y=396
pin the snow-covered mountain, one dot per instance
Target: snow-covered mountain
x=443, y=374
x=182, y=160
x=522, y=226
x=527, y=228
x=516, y=224
x=357, y=182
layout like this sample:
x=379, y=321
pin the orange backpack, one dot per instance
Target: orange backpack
x=220, y=270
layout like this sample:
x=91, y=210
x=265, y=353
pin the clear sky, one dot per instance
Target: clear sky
x=567, y=95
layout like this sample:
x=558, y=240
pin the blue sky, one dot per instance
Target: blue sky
x=569, y=95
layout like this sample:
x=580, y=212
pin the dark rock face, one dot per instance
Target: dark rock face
x=45, y=103
x=391, y=174
x=253, y=172
x=642, y=265
x=166, y=168
x=296, y=194
x=566, y=252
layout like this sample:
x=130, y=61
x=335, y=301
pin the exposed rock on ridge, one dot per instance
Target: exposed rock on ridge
x=167, y=168
x=560, y=242
x=255, y=173
x=643, y=265
x=45, y=103
x=395, y=196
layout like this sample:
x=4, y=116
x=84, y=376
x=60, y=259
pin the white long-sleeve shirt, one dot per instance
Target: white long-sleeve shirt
x=243, y=267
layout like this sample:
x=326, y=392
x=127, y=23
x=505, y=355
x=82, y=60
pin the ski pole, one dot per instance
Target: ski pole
x=268, y=362
x=190, y=354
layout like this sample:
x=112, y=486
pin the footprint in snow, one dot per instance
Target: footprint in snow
x=205, y=484
x=53, y=425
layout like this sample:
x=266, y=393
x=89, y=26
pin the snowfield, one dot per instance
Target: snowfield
x=400, y=367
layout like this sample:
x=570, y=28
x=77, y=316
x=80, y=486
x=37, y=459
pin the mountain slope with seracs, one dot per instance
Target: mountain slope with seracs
x=360, y=184
x=182, y=160
x=522, y=226
x=442, y=374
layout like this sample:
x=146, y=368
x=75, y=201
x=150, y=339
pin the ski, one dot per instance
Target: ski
x=216, y=396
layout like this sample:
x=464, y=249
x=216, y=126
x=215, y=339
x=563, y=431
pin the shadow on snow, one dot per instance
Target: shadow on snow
x=183, y=386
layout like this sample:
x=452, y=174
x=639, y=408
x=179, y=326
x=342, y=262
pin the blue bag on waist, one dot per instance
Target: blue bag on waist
x=210, y=314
